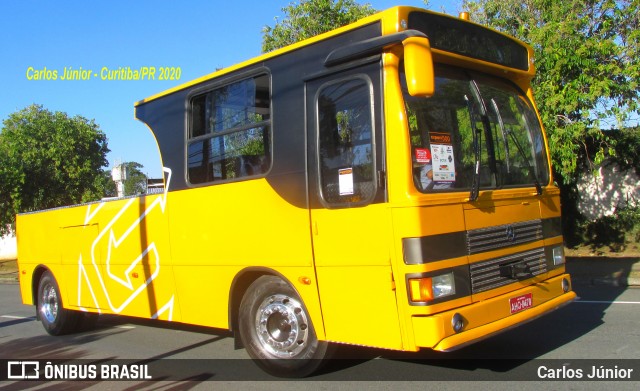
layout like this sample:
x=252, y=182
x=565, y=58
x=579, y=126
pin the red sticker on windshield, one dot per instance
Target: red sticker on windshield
x=423, y=155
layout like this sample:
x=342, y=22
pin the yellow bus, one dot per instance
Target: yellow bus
x=385, y=184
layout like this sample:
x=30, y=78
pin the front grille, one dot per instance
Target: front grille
x=502, y=271
x=492, y=238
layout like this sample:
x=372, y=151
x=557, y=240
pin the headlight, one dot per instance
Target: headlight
x=443, y=285
x=558, y=255
x=430, y=288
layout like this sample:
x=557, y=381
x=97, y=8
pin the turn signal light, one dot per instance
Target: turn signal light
x=421, y=289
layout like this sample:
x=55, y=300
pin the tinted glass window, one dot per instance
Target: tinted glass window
x=230, y=132
x=345, y=142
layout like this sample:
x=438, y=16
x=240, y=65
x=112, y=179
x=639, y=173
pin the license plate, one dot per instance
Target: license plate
x=521, y=303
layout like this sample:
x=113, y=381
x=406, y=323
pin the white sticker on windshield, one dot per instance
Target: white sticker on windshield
x=345, y=181
x=444, y=169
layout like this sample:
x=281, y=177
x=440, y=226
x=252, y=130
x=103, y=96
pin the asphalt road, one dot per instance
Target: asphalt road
x=601, y=329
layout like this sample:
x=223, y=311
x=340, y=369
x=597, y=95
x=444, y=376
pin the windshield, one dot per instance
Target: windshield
x=476, y=132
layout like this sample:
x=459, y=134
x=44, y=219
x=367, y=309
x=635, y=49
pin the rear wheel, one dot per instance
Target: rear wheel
x=276, y=329
x=54, y=317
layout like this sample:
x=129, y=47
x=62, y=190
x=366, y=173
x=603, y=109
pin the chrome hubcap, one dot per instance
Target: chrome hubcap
x=49, y=303
x=282, y=326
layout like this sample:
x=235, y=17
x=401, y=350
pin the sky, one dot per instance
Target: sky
x=40, y=38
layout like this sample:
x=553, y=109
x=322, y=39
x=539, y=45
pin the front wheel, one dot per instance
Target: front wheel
x=276, y=330
x=54, y=317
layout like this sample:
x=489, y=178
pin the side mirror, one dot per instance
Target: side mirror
x=418, y=66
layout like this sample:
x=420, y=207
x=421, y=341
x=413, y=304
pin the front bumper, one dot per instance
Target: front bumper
x=489, y=317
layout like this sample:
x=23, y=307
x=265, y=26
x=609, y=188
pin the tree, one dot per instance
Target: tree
x=309, y=18
x=105, y=185
x=48, y=159
x=587, y=55
x=136, y=182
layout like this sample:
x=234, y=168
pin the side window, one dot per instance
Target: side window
x=229, y=132
x=346, y=150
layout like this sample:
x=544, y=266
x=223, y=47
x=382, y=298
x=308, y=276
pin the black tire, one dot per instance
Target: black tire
x=277, y=332
x=54, y=317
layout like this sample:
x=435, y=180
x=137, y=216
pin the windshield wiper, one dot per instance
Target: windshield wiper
x=504, y=135
x=475, y=184
x=518, y=147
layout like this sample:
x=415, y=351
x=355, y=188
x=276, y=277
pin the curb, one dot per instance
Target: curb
x=9, y=278
x=617, y=272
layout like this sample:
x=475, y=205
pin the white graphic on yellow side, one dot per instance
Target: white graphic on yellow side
x=125, y=258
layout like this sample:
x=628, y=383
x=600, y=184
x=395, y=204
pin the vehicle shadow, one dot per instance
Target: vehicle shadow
x=45, y=348
x=71, y=350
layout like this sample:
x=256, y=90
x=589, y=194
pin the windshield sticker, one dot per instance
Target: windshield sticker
x=439, y=138
x=423, y=155
x=444, y=169
x=345, y=181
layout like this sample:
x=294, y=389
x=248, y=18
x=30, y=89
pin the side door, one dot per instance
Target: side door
x=350, y=219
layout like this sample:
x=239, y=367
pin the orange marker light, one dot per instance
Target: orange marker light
x=421, y=289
